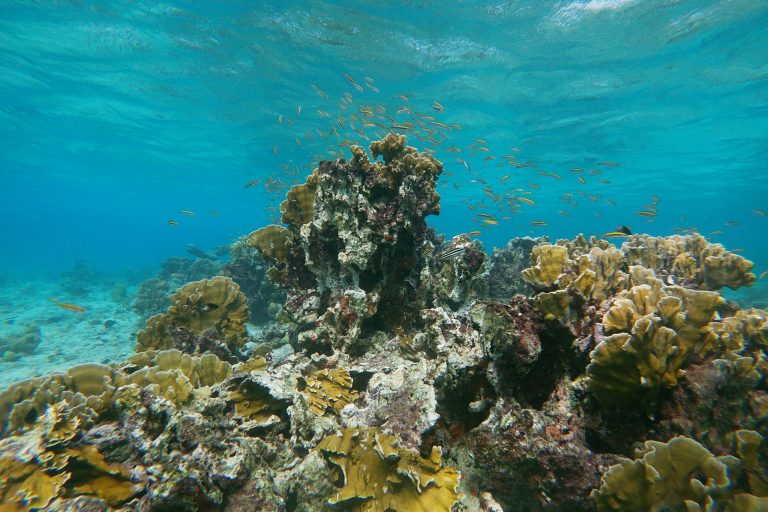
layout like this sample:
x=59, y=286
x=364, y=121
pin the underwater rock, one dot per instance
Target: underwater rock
x=151, y=298
x=357, y=254
x=503, y=273
x=23, y=342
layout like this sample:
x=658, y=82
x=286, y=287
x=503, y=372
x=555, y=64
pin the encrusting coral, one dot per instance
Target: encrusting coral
x=377, y=476
x=199, y=307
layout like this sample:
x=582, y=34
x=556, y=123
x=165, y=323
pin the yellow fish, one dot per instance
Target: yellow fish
x=478, y=232
x=527, y=200
x=614, y=234
x=187, y=212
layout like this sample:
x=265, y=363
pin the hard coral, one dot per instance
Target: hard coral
x=376, y=476
x=329, y=390
x=679, y=475
x=689, y=260
x=211, y=304
x=653, y=331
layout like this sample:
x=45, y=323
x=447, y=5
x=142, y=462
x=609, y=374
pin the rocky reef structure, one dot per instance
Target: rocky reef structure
x=24, y=342
x=416, y=380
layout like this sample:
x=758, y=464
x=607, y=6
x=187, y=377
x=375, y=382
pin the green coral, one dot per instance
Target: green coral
x=377, y=476
x=681, y=475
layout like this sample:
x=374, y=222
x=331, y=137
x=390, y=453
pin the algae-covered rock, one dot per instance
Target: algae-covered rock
x=377, y=476
x=209, y=305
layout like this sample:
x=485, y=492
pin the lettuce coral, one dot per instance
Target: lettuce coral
x=652, y=331
x=377, y=476
x=689, y=260
x=681, y=475
x=198, y=307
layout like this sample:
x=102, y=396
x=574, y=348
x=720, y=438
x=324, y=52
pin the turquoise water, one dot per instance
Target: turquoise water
x=118, y=115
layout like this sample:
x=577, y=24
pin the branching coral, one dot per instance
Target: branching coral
x=377, y=476
x=679, y=475
x=209, y=305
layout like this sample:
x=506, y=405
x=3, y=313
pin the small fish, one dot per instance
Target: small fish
x=645, y=213
x=594, y=172
x=477, y=232
x=453, y=252
x=485, y=215
x=173, y=223
x=563, y=212
x=251, y=183
x=534, y=186
x=437, y=106
x=492, y=222
x=609, y=164
x=539, y=223
x=576, y=169
x=71, y=307
x=550, y=175
x=716, y=232
x=603, y=181
x=764, y=274
x=759, y=212
x=320, y=92
x=352, y=81
x=214, y=213
x=614, y=234
x=280, y=119
x=187, y=212
x=403, y=97
x=527, y=200
x=274, y=150
x=732, y=223
x=582, y=180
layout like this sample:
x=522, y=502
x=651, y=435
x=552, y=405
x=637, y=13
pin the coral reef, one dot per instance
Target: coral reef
x=690, y=261
x=199, y=307
x=397, y=370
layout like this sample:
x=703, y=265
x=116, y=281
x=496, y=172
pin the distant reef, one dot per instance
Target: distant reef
x=394, y=370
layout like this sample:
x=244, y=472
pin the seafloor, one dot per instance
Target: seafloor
x=353, y=359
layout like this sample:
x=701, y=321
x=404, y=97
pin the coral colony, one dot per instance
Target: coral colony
x=397, y=371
